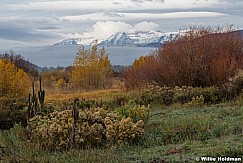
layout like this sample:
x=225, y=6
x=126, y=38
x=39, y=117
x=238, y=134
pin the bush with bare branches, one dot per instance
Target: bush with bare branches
x=202, y=57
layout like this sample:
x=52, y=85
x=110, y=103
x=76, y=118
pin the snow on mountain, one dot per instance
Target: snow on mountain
x=141, y=37
x=86, y=41
x=138, y=38
x=118, y=39
x=69, y=41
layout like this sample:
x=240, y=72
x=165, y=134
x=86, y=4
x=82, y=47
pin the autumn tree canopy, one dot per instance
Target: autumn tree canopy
x=14, y=82
x=92, y=68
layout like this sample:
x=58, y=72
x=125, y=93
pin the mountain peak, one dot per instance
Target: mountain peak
x=118, y=39
x=137, y=38
x=69, y=41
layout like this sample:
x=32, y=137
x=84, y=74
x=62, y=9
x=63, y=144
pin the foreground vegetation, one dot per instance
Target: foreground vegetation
x=183, y=102
x=177, y=132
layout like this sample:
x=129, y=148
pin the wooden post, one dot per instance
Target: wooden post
x=75, y=113
x=32, y=102
x=41, y=95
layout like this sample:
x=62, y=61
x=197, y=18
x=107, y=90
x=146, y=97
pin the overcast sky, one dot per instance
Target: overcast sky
x=26, y=23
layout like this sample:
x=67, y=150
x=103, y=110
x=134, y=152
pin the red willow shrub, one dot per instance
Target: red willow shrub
x=142, y=72
x=201, y=58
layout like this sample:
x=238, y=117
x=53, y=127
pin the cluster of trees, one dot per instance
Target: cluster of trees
x=20, y=63
x=203, y=57
x=14, y=82
x=59, y=77
x=92, y=69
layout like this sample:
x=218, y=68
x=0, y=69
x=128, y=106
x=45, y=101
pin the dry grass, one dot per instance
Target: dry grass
x=54, y=94
x=91, y=95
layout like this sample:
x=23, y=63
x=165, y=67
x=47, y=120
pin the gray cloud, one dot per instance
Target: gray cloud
x=231, y=1
x=44, y=21
x=48, y=28
x=24, y=34
x=114, y=14
x=142, y=1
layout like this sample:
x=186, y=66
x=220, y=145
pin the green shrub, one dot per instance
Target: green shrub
x=135, y=112
x=8, y=117
x=168, y=95
x=212, y=95
x=197, y=102
x=233, y=88
x=138, y=113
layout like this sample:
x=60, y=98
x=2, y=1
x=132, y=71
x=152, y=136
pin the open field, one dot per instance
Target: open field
x=174, y=133
x=92, y=95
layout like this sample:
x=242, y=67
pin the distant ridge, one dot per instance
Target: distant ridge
x=138, y=39
x=131, y=39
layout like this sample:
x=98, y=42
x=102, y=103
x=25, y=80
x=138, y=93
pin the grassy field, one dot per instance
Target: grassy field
x=91, y=95
x=174, y=133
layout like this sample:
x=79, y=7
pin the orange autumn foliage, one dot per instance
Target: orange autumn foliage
x=201, y=58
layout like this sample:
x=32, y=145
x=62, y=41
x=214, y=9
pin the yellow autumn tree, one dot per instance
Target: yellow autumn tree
x=60, y=83
x=92, y=68
x=14, y=82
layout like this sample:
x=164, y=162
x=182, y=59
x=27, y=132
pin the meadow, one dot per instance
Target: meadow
x=174, y=133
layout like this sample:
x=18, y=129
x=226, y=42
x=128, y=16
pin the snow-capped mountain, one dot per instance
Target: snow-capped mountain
x=138, y=38
x=144, y=38
x=69, y=41
x=118, y=39
x=77, y=41
x=86, y=41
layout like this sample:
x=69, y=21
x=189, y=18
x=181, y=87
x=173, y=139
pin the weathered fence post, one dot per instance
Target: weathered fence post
x=41, y=95
x=33, y=108
x=32, y=102
x=75, y=113
x=30, y=109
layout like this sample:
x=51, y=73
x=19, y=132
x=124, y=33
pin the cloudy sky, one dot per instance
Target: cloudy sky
x=40, y=22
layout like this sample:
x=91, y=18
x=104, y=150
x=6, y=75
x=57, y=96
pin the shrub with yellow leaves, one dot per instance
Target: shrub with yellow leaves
x=124, y=131
x=53, y=131
x=96, y=127
x=138, y=113
x=135, y=112
x=197, y=102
